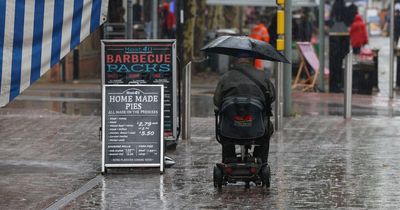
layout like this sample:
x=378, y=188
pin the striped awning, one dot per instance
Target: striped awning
x=36, y=34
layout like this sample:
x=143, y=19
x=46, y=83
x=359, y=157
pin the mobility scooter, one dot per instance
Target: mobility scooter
x=243, y=121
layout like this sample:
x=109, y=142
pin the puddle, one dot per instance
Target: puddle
x=70, y=108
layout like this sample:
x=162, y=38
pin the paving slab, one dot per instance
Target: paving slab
x=316, y=162
x=50, y=150
x=44, y=156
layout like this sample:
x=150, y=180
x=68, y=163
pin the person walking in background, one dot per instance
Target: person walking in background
x=167, y=22
x=260, y=32
x=358, y=34
x=306, y=26
x=272, y=30
x=352, y=11
x=338, y=12
x=137, y=12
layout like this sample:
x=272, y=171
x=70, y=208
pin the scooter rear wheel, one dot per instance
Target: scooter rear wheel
x=266, y=176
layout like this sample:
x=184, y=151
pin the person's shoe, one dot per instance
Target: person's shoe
x=171, y=144
x=169, y=162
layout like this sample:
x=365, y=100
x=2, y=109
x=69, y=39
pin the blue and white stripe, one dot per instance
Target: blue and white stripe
x=36, y=34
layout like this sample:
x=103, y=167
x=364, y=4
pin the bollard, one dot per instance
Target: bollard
x=75, y=64
x=279, y=97
x=348, y=84
x=280, y=46
x=187, y=83
x=154, y=19
x=129, y=20
x=321, y=38
x=391, y=56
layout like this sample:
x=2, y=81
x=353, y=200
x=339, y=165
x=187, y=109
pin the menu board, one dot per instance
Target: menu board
x=132, y=125
x=144, y=62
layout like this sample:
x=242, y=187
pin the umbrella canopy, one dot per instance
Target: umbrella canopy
x=244, y=47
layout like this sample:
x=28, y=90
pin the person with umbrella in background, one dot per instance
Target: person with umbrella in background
x=245, y=80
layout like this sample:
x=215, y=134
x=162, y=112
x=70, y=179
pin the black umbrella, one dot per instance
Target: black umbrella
x=244, y=47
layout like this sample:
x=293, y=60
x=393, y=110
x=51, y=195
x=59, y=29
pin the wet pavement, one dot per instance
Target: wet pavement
x=50, y=151
x=339, y=165
x=44, y=156
x=317, y=162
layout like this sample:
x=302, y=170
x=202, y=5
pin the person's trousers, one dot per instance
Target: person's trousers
x=261, y=151
x=356, y=50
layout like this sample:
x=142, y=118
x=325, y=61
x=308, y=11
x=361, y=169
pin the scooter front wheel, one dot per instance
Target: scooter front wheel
x=218, y=177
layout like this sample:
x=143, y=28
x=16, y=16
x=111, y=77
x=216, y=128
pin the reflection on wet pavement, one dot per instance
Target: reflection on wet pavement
x=316, y=162
x=315, y=104
x=333, y=105
x=202, y=105
x=88, y=102
x=65, y=107
x=68, y=101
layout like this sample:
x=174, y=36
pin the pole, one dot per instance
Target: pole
x=75, y=72
x=241, y=20
x=279, y=97
x=391, y=60
x=129, y=20
x=287, y=75
x=63, y=73
x=321, y=25
x=348, y=86
x=186, y=102
x=179, y=29
x=280, y=46
x=154, y=19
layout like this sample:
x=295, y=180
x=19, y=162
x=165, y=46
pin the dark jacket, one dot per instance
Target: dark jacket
x=234, y=83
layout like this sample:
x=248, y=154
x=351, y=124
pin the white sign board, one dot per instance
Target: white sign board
x=132, y=122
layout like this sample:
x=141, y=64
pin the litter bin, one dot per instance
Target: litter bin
x=376, y=65
x=363, y=77
x=339, y=44
x=218, y=62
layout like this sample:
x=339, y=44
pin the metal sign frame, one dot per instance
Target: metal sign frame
x=103, y=131
x=174, y=101
x=174, y=74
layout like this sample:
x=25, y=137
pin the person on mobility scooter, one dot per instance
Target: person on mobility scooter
x=243, y=100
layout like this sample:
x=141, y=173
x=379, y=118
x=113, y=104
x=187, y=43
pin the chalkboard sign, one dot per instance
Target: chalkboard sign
x=144, y=62
x=133, y=126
